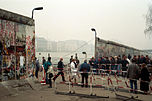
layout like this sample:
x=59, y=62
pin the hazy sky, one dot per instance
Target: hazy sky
x=122, y=21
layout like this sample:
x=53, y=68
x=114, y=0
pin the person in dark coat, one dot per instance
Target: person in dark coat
x=124, y=63
x=107, y=62
x=71, y=58
x=43, y=60
x=147, y=59
x=129, y=56
x=142, y=59
x=60, y=70
x=37, y=68
x=84, y=68
x=145, y=79
x=93, y=63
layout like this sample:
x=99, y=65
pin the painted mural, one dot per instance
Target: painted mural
x=16, y=40
x=30, y=47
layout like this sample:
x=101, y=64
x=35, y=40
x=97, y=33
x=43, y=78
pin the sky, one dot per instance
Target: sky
x=122, y=21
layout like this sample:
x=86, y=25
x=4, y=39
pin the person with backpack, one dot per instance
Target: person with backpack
x=46, y=67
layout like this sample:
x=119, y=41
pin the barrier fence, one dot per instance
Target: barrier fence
x=102, y=77
x=109, y=78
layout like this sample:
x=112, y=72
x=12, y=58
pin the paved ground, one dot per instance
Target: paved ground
x=43, y=93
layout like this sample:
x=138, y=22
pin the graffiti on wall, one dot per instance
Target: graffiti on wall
x=7, y=32
x=30, y=46
x=21, y=35
x=16, y=40
x=109, y=48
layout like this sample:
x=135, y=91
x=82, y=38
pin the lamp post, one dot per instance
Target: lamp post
x=38, y=8
x=95, y=42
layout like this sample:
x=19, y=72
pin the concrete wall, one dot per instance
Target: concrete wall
x=17, y=39
x=110, y=48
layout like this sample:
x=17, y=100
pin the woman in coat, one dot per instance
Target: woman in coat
x=145, y=79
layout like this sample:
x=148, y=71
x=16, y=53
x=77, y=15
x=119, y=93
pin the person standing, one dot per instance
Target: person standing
x=37, y=68
x=147, y=59
x=76, y=59
x=142, y=59
x=60, y=70
x=46, y=67
x=73, y=70
x=129, y=56
x=84, y=69
x=50, y=72
x=71, y=59
x=145, y=79
x=43, y=60
x=93, y=64
x=124, y=63
x=107, y=67
x=133, y=75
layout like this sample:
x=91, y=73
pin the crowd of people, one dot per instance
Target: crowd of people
x=124, y=61
x=74, y=67
x=135, y=67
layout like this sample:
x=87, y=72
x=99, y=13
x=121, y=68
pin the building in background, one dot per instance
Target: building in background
x=52, y=46
x=43, y=45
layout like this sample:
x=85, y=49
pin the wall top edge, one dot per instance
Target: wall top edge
x=7, y=15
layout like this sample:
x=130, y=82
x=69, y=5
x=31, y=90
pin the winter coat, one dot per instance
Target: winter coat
x=133, y=71
x=46, y=65
x=85, y=67
x=60, y=65
x=37, y=65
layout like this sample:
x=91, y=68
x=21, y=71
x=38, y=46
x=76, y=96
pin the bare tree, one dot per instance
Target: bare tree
x=148, y=30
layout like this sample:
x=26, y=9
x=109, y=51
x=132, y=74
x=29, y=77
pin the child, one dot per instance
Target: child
x=50, y=72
